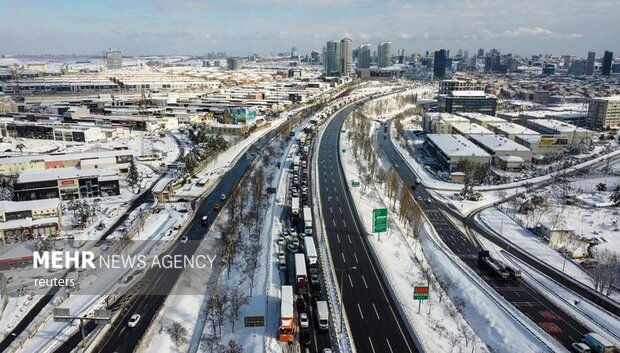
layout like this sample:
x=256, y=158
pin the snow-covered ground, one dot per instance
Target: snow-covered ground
x=94, y=286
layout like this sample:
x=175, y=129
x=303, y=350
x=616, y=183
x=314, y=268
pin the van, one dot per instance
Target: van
x=282, y=264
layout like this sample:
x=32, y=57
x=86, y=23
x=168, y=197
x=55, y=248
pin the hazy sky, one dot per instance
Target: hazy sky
x=240, y=27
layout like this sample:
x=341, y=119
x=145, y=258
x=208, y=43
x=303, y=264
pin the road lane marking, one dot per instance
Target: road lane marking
x=371, y=346
x=348, y=236
x=365, y=284
x=338, y=238
x=334, y=222
x=376, y=312
x=343, y=222
x=340, y=208
x=361, y=314
x=343, y=259
x=350, y=280
x=389, y=345
x=355, y=256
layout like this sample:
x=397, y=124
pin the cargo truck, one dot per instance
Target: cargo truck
x=310, y=249
x=308, y=220
x=295, y=209
x=322, y=314
x=598, y=343
x=301, y=275
x=287, y=321
x=492, y=265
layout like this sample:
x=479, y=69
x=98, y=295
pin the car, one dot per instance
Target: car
x=216, y=207
x=133, y=320
x=204, y=221
x=305, y=338
x=295, y=241
x=428, y=200
x=327, y=350
x=184, y=239
x=581, y=347
x=281, y=240
x=303, y=320
x=223, y=197
x=419, y=198
x=292, y=232
x=300, y=304
x=314, y=279
x=292, y=247
x=281, y=253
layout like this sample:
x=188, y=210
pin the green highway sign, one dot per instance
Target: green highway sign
x=420, y=293
x=343, y=130
x=344, y=150
x=355, y=183
x=379, y=220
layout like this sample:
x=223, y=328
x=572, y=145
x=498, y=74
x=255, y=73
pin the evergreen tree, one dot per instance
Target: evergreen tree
x=132, y=174
x=615, y=196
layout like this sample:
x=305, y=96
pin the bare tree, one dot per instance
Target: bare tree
x=217, y=308
x=252, y=262
x=234, y=347
x=211, y=343
x=177, y=332
x=446, y=285
x=467, y=334
x=606, y=271
x=237, y=300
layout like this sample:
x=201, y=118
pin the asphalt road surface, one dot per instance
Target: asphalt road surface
x=375, y=324
x=525, y=298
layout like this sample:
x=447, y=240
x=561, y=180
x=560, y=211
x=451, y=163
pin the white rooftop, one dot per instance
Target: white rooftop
x=18, y=206
x=468, y=94
x=481, y=117
x=65, y=157
x=615, y=98
x=456, y=145
x=513, y=129
x=470, y=128
x=557, y=125
x=498, y=143
x=62, y=173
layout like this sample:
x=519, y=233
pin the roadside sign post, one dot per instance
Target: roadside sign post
x=355, y=183
x=420, y=293
x=379, y=220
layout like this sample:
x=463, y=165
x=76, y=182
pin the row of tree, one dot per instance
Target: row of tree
x=206, y=148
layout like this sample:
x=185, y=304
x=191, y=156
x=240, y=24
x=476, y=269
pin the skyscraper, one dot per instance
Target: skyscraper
x=384, y=54
x=480, y=53
x=606, y=64
x=401, y=55
x=439, y=64
x=332, y=58
x=590, y=63
x=293, y=52
x=363, y=61
x=114, y=59
x=346, y=57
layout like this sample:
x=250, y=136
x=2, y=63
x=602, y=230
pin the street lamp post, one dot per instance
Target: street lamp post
x=342, y=270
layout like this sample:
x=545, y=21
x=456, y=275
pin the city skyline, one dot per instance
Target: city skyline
x=241, y=27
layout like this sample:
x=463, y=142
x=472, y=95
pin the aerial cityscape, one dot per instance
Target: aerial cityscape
x=309, y=177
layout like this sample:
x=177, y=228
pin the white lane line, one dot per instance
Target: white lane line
x=338, y=238
x=343, y=222
x=389, y=345
x=365, y=284
x=376, y=312
x=326, y=188
x=350, y=280
x=361, y=314
x=343, y=259
x=340, y=208
x=371, y=346
x=334, y=222
x=330, y=210
x=348, y=236
x=355, y=256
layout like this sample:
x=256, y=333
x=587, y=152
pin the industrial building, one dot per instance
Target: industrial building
x=481, y=119
x=507, y=154
x=66, y=184
x=573, y=134
x=440, y=123
x=453, y=149
x=510, y=130
x=469, y=128
x=449, y=86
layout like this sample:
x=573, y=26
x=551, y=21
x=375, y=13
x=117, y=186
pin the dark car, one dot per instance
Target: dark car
x=301, y=305
x=216, y=207
x=305, y=337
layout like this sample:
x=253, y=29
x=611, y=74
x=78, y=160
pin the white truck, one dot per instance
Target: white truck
x=295, y=208
x=311, y=253
x=323, y=314
x=308, y=220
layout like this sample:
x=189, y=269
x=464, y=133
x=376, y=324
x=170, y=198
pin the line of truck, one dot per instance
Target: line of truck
x=497, y=267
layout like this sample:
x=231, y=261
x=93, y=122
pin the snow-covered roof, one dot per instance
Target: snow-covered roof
x=456, y=145
x=557, y=125
x=18, y=206
x=513, y=129
x=468, y=94
x=27, y=222
x=161, y=185
x=498, y=143
x=481, y=117
x=106, y=160
x=470, y=128
x=511, y=159
x=62, y=173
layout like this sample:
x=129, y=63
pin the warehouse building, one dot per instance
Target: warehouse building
x=468, y=128
x=66, y=184
x=452, y=149
x=573, y=134
x=543, y=146
x=510, y=130
x=507, y=154
x=481, y=119
x=440, y=123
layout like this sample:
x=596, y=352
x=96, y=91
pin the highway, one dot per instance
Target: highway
x=372, y=315
x=524, y=297
x=158, y=282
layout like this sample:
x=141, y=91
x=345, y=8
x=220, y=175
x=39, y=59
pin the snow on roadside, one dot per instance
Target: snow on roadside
x=442, y=328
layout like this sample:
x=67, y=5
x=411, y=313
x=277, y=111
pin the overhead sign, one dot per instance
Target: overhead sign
x=62, y=315
x=379, y=220
x=420, y=293
x=102, y=316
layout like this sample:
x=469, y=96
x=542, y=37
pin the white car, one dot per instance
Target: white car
x=303, y=320
x=133, y=321
x=327, y=350
x=223, y=197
